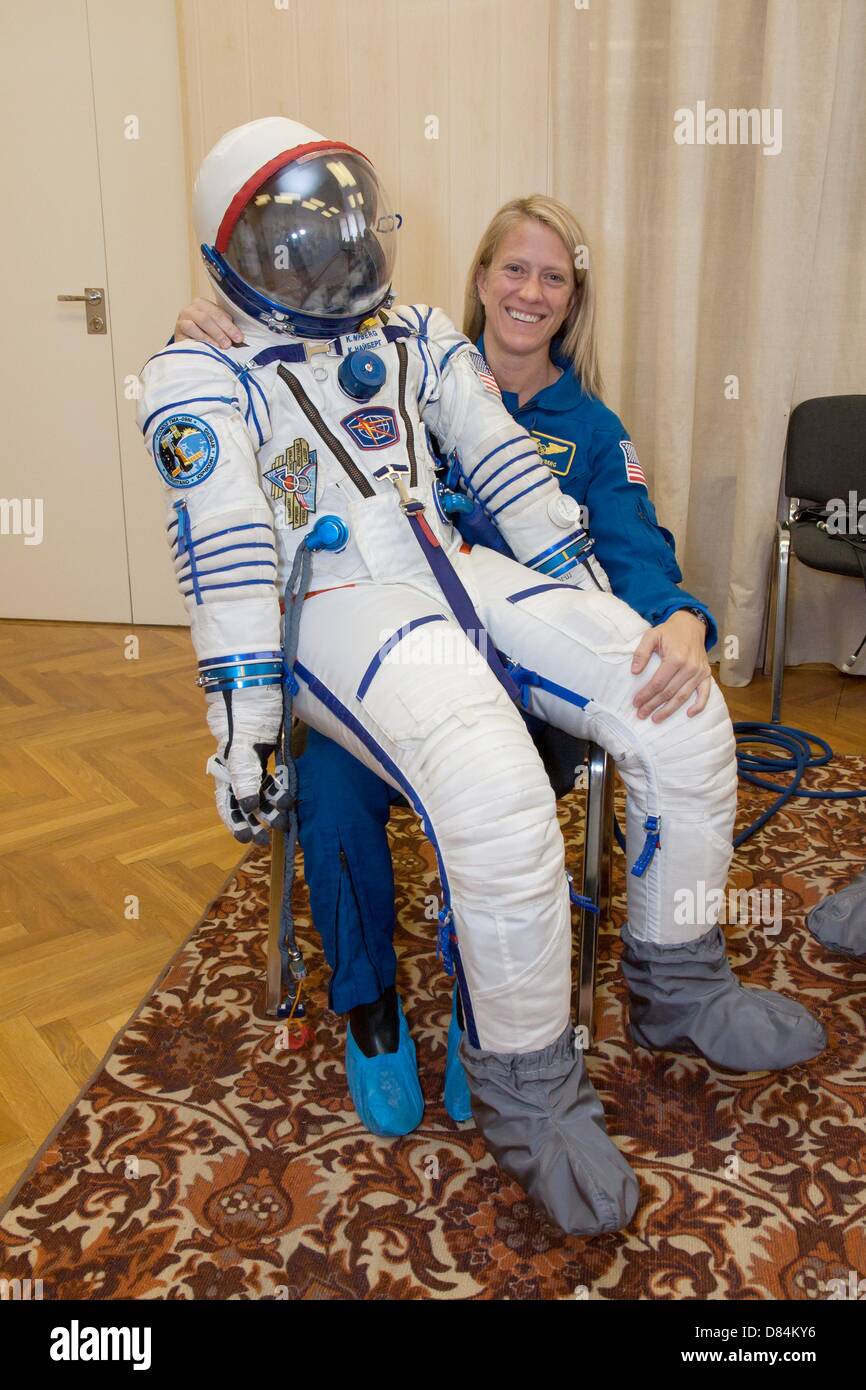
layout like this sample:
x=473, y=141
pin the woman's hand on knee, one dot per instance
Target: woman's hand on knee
x=683, y=671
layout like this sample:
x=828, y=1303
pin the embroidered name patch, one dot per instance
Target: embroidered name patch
x=484, y=374
x=633, y=470
x=366, y=338
x=293, y=477
x=186, y=450
x=558, y=454
x=372, y=429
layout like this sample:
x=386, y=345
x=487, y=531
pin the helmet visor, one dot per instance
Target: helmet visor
x=319, y=237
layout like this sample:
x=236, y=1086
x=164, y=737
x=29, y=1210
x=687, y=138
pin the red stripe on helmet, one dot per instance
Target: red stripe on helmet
x=255, y=181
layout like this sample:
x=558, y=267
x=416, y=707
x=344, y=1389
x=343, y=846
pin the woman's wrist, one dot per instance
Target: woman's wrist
x=699, y=614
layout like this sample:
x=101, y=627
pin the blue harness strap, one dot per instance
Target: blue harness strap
x=528, y=680
x=457, y=598
x=297, y=352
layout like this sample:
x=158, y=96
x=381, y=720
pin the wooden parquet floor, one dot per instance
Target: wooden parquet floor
x=110, y=847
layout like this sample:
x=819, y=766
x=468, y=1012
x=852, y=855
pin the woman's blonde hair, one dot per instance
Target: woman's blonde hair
x=577, y=337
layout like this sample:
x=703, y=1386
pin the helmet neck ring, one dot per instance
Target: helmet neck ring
x=273, y=315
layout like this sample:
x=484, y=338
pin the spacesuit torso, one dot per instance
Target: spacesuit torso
x=319, y=453
x=258, y=444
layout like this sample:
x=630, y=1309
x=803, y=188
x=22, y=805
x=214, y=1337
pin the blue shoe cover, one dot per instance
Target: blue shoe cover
x=457, y=1101
x=385, y=1088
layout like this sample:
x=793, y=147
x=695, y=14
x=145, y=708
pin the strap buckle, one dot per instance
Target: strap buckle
x=397, y=474
x=652, y=826
x=312, y=346
x=445, y=939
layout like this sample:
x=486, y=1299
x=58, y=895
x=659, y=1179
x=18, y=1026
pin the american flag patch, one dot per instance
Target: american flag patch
x=633, y=470
x=484, y=374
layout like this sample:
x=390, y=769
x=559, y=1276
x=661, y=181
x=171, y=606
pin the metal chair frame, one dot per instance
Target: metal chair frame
x=777, y=610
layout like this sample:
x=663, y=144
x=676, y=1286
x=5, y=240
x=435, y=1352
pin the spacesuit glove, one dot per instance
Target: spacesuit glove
x=246, y=725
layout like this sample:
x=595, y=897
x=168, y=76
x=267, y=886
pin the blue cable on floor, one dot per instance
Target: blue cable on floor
x=797, y=758
x=796, y=744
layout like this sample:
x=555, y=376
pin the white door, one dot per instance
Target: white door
x=62, y=542
x=94, y=187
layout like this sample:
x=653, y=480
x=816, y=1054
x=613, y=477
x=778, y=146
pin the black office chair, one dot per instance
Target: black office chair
x=825, y=458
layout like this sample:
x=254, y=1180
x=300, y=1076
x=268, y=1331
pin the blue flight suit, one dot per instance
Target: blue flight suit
x=583, y=444
x=343, y=807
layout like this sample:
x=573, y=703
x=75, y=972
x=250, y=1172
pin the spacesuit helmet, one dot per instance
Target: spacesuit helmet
x=295, y=230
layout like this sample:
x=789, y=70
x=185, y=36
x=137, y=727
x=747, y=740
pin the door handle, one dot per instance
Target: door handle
x=92, y=299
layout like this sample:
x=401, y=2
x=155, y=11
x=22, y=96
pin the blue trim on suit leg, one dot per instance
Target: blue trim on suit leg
x=338, y=709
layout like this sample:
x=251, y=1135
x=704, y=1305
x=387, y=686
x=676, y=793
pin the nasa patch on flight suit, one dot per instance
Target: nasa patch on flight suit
x=186, y=450
x=558, y=454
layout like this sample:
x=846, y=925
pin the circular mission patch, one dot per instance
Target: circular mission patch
x=186, y=450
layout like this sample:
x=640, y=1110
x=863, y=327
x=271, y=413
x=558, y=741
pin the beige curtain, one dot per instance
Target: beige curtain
x=719, y=261
x=715, y=260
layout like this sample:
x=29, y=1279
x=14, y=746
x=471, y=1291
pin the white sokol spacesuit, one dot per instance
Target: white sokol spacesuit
x=412, y=648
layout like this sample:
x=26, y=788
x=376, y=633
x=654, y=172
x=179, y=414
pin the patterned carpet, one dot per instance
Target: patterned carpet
x=205, y=1161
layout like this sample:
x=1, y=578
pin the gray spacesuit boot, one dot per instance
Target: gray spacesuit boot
x=543, y=1123
x=839, y=922
x=686, y=998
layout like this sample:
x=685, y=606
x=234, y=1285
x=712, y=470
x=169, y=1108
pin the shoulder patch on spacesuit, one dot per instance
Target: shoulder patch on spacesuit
x=633, y=470
x=483, y=372
x=185, y=449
